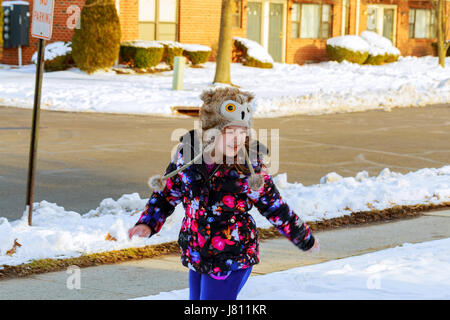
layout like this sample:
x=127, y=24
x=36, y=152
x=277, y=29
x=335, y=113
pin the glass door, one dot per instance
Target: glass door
x=388, y=24
x=254, y=10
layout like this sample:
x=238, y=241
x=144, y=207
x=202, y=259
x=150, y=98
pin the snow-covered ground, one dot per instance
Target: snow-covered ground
x=327, y=87
x=57, y=233
x=407, y=272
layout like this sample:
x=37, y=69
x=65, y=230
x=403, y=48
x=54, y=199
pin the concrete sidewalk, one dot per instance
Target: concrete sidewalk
x=151, y=276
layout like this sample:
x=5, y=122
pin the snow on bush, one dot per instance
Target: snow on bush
x=369, y=48
x=53, y=50
x=194, y=47
x=350, y=42
x=253, y=53
x=142, y=44
x=379, y=44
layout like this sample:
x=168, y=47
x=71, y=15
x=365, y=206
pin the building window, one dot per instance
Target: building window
x=311, y=20
x=237, y=13
x=346, y=17
x=158, y=19
x=422, y=23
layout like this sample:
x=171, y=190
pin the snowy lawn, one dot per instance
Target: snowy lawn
x=327, y=87
x=410, y=271
x=57, y=233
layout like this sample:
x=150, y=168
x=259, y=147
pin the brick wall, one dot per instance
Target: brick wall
x=199, y=22
x=129, y=19
x=304, y=50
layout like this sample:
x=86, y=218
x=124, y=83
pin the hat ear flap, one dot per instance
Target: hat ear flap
x=248, y=95
x=207, y=96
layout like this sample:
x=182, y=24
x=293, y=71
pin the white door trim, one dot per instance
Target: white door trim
x=265, y=24
x=380, y=18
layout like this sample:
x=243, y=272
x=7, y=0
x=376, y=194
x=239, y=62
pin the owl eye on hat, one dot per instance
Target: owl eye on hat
x=236, y=113
x=222, y=107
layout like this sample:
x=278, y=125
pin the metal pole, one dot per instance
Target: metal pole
x=20, y=56
x=35, y=129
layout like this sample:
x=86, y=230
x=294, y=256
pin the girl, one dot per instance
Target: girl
x=218, y=238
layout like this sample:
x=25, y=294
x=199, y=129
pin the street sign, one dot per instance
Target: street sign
x=42, y=19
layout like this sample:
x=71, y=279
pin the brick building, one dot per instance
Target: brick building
x=293, y=31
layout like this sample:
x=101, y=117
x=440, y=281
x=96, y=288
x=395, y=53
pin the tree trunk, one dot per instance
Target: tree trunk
x=225, y=45
x=442, y=44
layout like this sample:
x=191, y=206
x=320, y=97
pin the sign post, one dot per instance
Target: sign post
x=41, y=28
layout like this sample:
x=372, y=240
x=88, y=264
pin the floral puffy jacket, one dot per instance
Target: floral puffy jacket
x=218, y=234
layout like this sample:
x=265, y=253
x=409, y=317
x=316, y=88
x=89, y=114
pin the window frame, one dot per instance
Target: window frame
x=239, y=15
x=321, y=23
x=157, y=22
x=432, y=29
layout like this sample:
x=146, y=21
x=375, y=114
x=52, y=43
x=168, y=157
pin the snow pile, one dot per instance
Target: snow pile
x=53, y=50
x=255, y=50
x=363, y=193
x=57, y=233
x=407, y=272
x=284, y=90
x=379, y=45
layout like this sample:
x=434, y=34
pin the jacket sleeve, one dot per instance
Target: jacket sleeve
x=269, y=203
x=161, y=204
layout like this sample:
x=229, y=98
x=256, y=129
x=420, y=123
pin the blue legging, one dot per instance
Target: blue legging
x=204, y=287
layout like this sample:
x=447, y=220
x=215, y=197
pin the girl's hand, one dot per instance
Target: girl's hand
x=141, y=230
x=315, y=248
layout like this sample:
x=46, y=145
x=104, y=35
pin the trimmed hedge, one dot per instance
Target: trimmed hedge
x=381, y=59
x=141, y=54
x=172, y=49
x=197, y=57
x=340, y=54
x=96, y=44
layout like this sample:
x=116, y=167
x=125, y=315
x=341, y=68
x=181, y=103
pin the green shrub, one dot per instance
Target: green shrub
x=340, y=54
x=57, y=57
x=172, y=49
x=381, y=59
x=197, y=54
x=197, y=57
x=59, y=63
x=96, y=44
x=141, y=54
x=241, y=54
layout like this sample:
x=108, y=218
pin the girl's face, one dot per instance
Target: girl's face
x=231, y=140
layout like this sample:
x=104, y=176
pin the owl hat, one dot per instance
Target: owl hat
x=222, y=107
